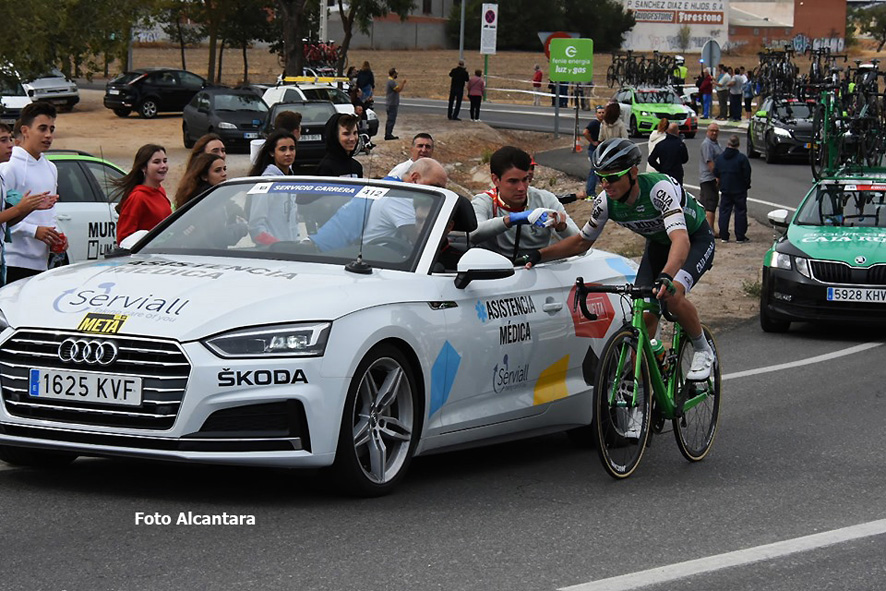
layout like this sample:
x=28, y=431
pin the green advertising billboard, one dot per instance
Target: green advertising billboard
x=572, y=60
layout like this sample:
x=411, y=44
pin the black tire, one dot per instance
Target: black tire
x=621, y=454
x=186, y=138
x=376, y=442
x=148, y=108
x=771, y=156
x=634, y=130
x=611, y=77
x=122, y=112
x=696, y=429
x=35, y=458
x=767, y=322
x=749, y=148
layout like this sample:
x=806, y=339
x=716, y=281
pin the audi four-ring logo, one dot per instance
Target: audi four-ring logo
x=90, y=352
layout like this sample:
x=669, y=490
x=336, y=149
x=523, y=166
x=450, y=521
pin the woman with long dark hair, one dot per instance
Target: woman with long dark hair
x=205, y=172
x=143, y=201
x=210, y=143
x=276, y=155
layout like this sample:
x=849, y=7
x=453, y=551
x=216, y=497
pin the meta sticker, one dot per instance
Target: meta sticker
x=102, y=323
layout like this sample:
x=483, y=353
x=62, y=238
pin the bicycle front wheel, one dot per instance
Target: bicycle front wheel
x=621, y=422
x=696, y=428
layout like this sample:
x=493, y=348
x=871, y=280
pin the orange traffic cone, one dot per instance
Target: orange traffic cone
x=577, y=145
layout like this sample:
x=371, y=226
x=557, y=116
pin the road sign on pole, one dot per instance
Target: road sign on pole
x=488, y=29
x=710, y=55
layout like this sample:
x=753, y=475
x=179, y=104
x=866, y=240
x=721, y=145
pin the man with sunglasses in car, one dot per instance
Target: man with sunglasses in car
x=679, y=241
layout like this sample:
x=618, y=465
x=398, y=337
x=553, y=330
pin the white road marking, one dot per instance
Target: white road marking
x=769, y=203
x=673, y=572
x=801, y=362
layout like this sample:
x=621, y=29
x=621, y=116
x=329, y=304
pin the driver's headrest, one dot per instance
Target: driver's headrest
x=463, y=217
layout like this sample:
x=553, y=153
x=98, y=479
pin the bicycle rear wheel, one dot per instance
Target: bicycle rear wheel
x=696, y=428
x=621, y=427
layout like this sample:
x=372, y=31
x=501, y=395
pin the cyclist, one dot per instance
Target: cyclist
x=679, y=241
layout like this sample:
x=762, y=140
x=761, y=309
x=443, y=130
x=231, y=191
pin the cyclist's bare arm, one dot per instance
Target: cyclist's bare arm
x=567, y=247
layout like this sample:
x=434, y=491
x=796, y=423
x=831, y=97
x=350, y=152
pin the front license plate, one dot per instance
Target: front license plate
x=849, y=294
x=94, y=388
x=250, y=135
x=113, y=91
x=311, y=138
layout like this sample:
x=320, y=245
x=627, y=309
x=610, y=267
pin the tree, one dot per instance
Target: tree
x=872, y=21
x=362, y=12
x=244, y=22
x=290, y=15
x=172, y=16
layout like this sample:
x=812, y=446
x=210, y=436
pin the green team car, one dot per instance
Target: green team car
x=829, y=263
x=643, y=107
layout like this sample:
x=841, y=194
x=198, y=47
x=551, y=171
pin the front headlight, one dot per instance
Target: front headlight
x=802, y=266
x=285, y=340
x=226, y=125
x=781, y=132
x=4, y=323
x=780, y=260
x=645, y=113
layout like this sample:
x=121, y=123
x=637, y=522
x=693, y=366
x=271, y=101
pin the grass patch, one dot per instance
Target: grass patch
x=752, y=289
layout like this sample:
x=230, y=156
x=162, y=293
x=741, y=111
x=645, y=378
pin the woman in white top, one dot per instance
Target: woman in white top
x=612, y=125
x=656, y=136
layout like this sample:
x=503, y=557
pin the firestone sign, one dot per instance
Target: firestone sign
x=659, y=24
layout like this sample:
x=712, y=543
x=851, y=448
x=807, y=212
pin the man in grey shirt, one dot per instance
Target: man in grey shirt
x=392, y=102
x=710, y=195
x=515, y=218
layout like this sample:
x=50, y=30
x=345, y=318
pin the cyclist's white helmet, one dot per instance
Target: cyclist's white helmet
x=679, y=59
x=616, y=154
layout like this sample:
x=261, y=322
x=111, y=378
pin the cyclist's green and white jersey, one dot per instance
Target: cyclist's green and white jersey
x=662, y=207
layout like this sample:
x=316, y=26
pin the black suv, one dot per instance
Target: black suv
x=781, y=128
x=152, y=90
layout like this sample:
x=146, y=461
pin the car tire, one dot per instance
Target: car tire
x=771, y=157
x=767, y=322
x=751, y=151
x=634, y=131
x=186, y=139
x=35, y=458
x=384, y=376
x=122, y=112
x=148, y=108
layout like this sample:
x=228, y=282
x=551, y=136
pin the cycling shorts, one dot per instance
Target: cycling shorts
x=699, y=259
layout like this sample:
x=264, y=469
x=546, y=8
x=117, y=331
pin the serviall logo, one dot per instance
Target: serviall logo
x=505, y=377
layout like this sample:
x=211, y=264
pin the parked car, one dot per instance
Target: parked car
x=237, y=116
x=829, y=261
x=314, y=115
x=13, y=98
x=206, y=346
x=54, y=87
x=643, y=107
x=781, y=128
x=150, y=91
x=289, y=93
x=86, y=207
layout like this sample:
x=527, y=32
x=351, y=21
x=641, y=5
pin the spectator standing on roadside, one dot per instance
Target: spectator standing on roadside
x=143, y=202
x=422, y=147
x=705, y=92
x=210, y=143
x=288, y=120
x=735, y=92
x=733, y=172
x=28, y=170
x=592, y=134
x=204, y=172
x=366, y=83
x=460, y=77
x=670, y=154
x=721, y=86
x=536, y=85
x=476, y=89
x=13, y=206
x=392, y=102
x=747, y=90
x=655, y=136
x=352, y=84
x=710, y=196
x=341, y=145
x=612, y=125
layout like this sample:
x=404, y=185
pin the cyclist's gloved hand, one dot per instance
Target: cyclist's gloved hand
x=667, y=282
x=539, y=217
x=530, y=259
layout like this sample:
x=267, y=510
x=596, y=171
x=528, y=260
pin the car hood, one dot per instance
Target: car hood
x=187, y=298
x=794, y=125
x=856, y=246
x=241, y=117
x=49, y=83
x=662, y=107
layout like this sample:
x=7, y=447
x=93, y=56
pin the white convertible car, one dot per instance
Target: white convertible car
x=323, y=329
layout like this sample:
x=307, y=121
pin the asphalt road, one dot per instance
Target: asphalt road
x=799, y=453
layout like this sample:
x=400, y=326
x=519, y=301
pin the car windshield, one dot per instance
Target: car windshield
x=793, y=111
x=863, y=204
x=658, y=96
x=309, y=220
x=10, y=86
x=240, y=102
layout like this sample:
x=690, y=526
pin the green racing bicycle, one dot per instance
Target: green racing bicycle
x=635, y=392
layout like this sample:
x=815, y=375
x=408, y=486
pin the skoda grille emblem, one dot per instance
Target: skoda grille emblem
x=860, y=260
x=88, y=351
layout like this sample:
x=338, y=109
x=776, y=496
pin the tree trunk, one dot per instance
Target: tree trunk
x=221, y=51
x=245, y=64
x=292, y=12
x=347, y=24
x=181, y=43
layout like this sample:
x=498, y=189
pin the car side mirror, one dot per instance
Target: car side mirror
x=779, y=218
x=479, y=264
x=133, y=239
x=760, y=114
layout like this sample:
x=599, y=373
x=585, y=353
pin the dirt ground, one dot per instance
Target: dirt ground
x=726, y=295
